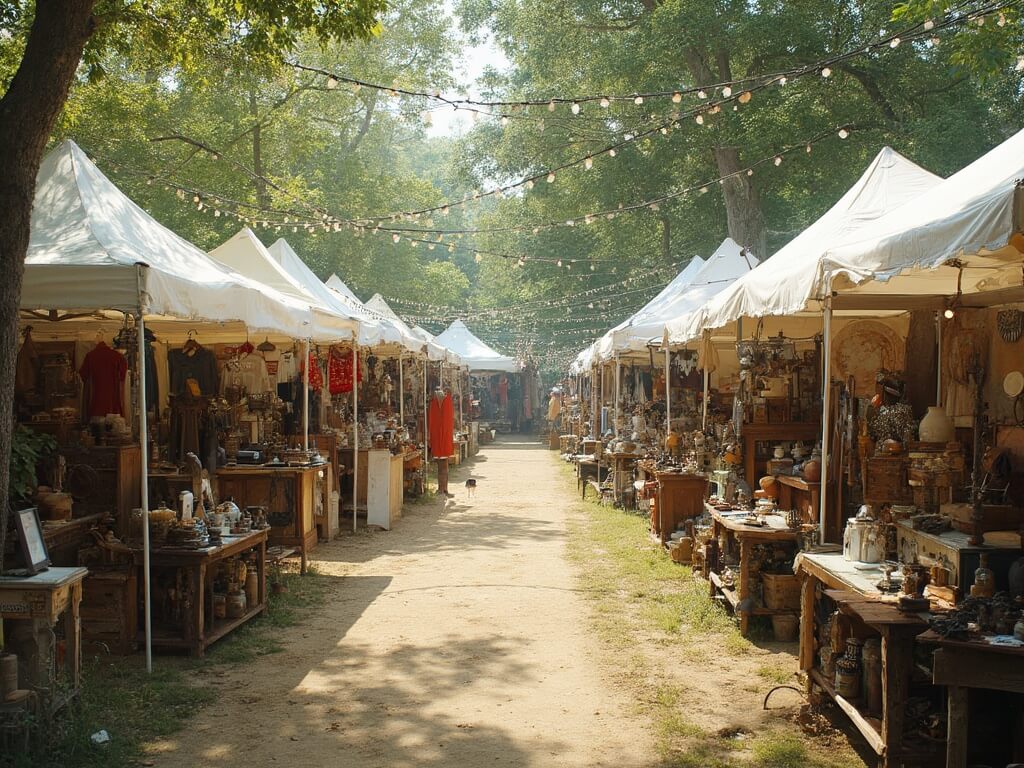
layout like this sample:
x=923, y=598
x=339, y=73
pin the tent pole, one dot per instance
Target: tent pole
x=618, y=396
x=426, y=432
x=668, y=391
x=938, y=359
x=305, y=400
x=140, y=332
x=355, y=436
x=826, y=409
x=401, y=390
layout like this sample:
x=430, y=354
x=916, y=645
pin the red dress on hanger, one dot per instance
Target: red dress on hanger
x=441, y=423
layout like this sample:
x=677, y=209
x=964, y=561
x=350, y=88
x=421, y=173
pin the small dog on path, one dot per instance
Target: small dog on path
x=471, y=487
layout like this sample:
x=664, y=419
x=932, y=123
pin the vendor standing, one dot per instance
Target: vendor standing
x=554, y=408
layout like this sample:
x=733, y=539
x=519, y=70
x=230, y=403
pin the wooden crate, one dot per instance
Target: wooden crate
x=886, y=482
x=781, y=591
x=109, y=612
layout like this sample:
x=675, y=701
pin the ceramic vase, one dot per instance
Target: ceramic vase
x=936, y=426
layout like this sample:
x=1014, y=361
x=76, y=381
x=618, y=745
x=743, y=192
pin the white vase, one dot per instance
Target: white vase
x=936, y=426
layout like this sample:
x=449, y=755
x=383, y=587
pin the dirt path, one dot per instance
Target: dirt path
x=456, y=639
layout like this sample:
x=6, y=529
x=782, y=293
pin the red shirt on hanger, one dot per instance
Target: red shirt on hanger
x=104, y=370
x=441, y=423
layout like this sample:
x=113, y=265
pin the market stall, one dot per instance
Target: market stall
x=107, y=292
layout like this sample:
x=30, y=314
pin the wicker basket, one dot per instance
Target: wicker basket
x=781, y=591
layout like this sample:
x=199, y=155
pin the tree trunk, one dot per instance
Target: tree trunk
x=28, y=111
x=742, y=203
x=262, y=197
x=744, y=217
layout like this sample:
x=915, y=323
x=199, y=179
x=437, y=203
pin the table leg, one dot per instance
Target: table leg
x=897, y=657
x=807, y=594
x=73, y=636
x=743, y=588
x=956, y=726
x=197, y=586
x=261, y=570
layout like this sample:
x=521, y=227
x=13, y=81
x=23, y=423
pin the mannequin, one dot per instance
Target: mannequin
x=441, y=423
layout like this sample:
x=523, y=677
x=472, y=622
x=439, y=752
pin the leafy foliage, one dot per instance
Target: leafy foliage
x=28, y=448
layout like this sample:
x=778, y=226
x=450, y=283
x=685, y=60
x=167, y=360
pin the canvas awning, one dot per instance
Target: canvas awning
x=950, y=245
x=473, y=352
x=246, y=254
x=91, y=248
x=790, y=281
x=435, y=351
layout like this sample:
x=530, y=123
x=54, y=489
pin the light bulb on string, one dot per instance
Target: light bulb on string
x=504, y=120
x=843, y=133
x=745, y=97
x=605, y=102
x=895, y=42
x=677, y=97
x=826, y=72
x=588, y=163
x=638, y=100
x=551, y=106
x=699, y=119
x=551, y=178
x=727, y=91
x=575, y=108
x=332, y=83
x=778, y=160
x=612, y=152
x=702, y=94
x=529, y=183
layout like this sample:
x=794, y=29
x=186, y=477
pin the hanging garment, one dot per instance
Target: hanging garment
x=104, y=370
x=316, y=376
x=152, y=380
x=198, y=366
x=248, y=372
x=441, y=423
x=339, y=371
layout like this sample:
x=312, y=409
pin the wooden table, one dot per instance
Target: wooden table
x=589, y=471
x=680, y=497
x=199, y=628
x=744, y=537
x=30, y=608
x=287, y=493
x=854, y=594
x=961, y=665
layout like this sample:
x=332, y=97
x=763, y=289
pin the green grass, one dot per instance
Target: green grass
x=637, y=596
x=136, y=708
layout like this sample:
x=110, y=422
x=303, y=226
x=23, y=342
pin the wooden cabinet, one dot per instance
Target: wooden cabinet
x=110, y=612
x=680, y=497
x=105, y=479
x=384, y=490
x=760, y=439
x=886, y=481
x=287, y=493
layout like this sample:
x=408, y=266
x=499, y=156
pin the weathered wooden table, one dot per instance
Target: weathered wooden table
x=854, y=593
x=199, y=628
x=962, y=665
x=31, y=607
x=744, y=537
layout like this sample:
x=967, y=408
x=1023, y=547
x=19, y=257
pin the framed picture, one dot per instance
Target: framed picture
x=30, y=534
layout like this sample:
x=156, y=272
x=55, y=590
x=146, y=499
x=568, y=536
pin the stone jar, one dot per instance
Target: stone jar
x=936, y=426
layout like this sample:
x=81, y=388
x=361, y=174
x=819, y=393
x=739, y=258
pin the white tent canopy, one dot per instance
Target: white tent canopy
x=906, y=254
x=647, y=323
x=388, y=331
x=91, y=248
x=245, y=253
x=790, y=281
x=473, y=352
x=435, y=351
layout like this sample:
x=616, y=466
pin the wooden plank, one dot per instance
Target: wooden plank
x=897, y=660
x=956, y=726
x=865, y=725
x=970, y=668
